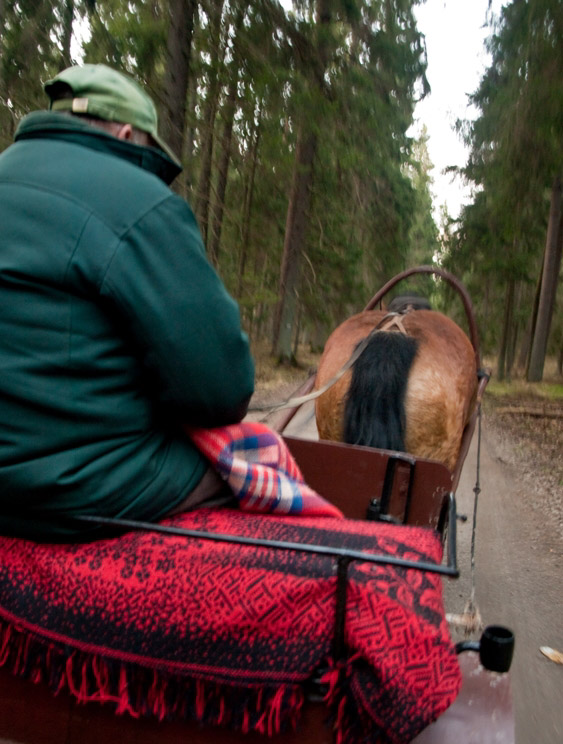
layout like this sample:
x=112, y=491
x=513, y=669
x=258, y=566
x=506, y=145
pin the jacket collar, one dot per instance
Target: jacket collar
x=54, y=125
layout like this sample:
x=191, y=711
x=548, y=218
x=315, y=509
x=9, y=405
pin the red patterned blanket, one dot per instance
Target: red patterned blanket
x=228, y=634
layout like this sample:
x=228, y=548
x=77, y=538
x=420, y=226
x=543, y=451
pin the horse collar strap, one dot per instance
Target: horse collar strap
x=392, y=322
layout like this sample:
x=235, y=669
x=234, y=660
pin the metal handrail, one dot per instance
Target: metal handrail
x=344, y=556
x=334, y=552
x=452, y=281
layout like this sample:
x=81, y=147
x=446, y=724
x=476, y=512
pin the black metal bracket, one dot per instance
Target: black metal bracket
x=495, y=648
x=378, y=509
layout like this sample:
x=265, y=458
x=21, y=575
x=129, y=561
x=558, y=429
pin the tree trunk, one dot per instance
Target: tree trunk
x=507, y=324
x=514, y=332
x=522, y=363
x=209, y=114
x=260, y=310
x=223, y=168
x=178, y=54
x=223, y=174
x=2, y=51
x=298, y=207
x=247, y=207
x=297, y=333
x=524, y=356
x=188, y=156
x=68, y=19
x=318, y=335
x=295, y=230
x=550, y=276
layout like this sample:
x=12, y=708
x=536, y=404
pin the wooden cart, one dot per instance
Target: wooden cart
x=363, y=483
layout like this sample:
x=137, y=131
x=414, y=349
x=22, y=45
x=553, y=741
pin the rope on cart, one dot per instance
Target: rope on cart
x=476, y=491
x=382, y=325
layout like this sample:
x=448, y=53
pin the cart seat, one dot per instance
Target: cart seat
x=179, y=627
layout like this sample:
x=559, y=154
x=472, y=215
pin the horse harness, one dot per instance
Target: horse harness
x=391, y=322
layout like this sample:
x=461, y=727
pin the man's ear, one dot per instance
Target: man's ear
x=125, y=132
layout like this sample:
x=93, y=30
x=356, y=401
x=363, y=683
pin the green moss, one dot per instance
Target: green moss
x=522, y=389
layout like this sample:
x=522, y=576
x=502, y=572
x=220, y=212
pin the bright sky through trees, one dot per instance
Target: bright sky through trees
x=455, y=34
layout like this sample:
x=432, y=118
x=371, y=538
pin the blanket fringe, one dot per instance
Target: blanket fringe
x=349, y=721
x=141, y=691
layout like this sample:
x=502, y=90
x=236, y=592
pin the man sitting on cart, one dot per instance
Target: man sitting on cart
x=114, y=327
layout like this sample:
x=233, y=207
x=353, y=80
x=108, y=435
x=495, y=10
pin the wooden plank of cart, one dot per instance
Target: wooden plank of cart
x=363, y=483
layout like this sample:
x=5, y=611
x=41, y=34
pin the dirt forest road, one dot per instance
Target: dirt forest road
x=519, y=582
x=518, y=574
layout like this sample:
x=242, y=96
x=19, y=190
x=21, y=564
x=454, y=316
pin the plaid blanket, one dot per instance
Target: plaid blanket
x=188, y=628
x=260, y=470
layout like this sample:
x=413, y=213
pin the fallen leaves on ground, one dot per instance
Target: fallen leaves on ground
x=552, y=654
x=533, y=444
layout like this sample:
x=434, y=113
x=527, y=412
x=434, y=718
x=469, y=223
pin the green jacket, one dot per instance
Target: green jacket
x=114, y=330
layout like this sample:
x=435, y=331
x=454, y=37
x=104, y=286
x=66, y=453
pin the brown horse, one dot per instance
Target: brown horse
x=412, y=389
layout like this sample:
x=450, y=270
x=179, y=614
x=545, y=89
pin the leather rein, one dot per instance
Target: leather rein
x=391, y=322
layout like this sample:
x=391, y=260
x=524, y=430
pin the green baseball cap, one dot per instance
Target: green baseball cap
x=99, y=91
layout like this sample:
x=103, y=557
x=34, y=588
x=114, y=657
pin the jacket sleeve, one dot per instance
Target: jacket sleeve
x=181, y=318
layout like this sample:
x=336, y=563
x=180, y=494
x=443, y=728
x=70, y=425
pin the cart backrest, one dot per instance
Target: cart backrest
x=411, y=490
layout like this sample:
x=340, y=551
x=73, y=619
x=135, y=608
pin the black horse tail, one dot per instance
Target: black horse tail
x=374, y=413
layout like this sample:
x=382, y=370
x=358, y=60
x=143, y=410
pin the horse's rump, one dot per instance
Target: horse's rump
x=440, y=389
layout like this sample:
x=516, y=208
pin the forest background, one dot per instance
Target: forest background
x=291, y=121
